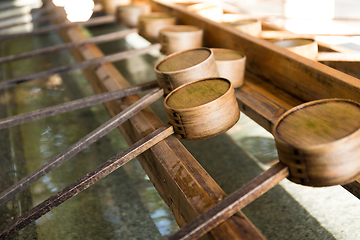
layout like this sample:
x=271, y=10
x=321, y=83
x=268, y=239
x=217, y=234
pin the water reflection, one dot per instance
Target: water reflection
x=114, y=208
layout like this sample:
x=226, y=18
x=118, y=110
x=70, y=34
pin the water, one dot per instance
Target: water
x=123, y=205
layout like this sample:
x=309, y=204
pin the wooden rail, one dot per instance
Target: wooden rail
x=180, y=180
x=348, y=67
x=276, y=78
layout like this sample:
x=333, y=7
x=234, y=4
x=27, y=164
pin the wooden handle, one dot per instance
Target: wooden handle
x=110, y=58
x=80, y=145
x=76, y=104
x=86, y=181
x=233, y=203
x=98, y=39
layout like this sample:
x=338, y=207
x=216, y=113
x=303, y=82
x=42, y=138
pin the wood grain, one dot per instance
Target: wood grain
x=305, y=47
x=186, y=201
x=186, y=66
x=279, y=78
x=184, y=60
x=237, y=200
x=179, y=38
x=248, y=26
x=202, y=109
x=339, y=57
x=128, y=15
x=111, y=5
x=151, y=24
x=230, y=65
x=294, y=74
x=319, y=142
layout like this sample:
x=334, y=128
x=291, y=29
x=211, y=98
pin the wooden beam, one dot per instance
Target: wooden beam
x=350, y=68
x=287, y=35
x=265, y=103
x=237, y=200
x=277, y=79
x=338, y=57
x=296, y=75
x=180, y=180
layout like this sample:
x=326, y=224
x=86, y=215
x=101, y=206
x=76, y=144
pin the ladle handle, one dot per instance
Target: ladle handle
x=74, y=105
x=89, y=63
x=46, y=50
x=233, y=203
x=80, y=145
x=86, y=181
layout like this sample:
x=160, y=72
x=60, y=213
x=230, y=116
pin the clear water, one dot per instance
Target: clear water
x=123, y=205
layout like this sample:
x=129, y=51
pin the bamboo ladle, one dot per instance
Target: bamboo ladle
x=299, y=135
x=221, y=103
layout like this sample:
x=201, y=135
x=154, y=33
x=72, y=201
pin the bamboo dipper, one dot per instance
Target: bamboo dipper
x=322, y=135
x=305, y=47
x=186, y=66
x=202, y=93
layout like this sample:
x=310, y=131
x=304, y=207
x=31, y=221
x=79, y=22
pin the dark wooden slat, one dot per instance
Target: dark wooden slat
x=76, y=104
x=110, y=58
x=35, y=20
x=339, y=57
x=91, y=22
x=86, y=181
x=264, y=102
x=233, y=203
x=98, y=39
x=354, y=187
x=290, y=35
x=38, y=11
x=80, y=145
x=13, y=7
